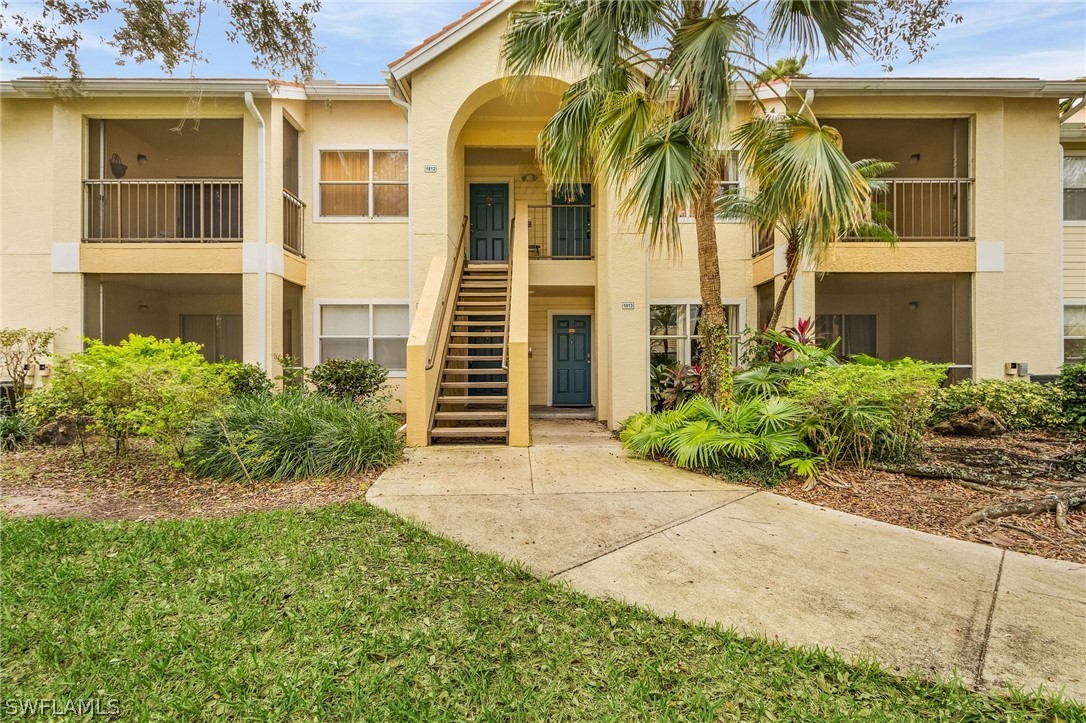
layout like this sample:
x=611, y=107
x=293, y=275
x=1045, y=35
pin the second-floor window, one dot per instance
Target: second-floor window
x=363, y=184
x=729, y=183
x=1074, y=188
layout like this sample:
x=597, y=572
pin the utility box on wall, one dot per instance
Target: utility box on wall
x=1016, y=369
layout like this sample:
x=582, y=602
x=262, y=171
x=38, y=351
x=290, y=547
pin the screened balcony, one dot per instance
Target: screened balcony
x=929, y=192
x=163, y=180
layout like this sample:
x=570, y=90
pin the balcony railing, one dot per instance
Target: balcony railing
x=560, y=231
x=928, y=209
x=190, y=210
x=293, y=213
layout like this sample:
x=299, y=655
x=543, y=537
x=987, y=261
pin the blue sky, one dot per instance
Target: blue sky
x=1004, y=38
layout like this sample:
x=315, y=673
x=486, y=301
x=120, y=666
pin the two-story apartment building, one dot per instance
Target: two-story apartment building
x=410, y=223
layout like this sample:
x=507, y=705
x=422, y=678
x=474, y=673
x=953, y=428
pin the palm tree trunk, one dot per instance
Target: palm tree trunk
x=791, y=255
x=715, y=347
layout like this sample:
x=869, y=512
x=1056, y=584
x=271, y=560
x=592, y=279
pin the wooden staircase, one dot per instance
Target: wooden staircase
x=472, y=405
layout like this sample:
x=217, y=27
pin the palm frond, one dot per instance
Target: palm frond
x=809, y=26
x=663, y=177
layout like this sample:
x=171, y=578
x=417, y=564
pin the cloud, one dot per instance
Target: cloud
x=1006, y=38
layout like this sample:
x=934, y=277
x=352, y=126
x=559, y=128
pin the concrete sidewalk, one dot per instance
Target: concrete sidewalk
x=574, y=507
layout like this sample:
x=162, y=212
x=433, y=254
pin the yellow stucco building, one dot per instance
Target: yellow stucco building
x=409, y=222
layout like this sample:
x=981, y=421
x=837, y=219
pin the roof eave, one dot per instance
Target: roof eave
x=411, y=62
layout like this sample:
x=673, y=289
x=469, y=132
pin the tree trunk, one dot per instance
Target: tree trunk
x=791, y=256
x=716, y=367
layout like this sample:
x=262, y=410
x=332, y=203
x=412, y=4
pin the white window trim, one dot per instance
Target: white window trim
x=353, y=148
x=740, y=183
x=1069, y=222
x=318, y=303
x=1063, y=326
x=736, y=333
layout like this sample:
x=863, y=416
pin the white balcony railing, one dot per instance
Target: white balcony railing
x=190, y=210
x=928, y=209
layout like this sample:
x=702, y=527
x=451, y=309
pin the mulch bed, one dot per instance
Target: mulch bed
x=937, y=506
x=141, y=485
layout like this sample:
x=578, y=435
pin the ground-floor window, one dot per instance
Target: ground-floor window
x=364, y=331
x=674, y=337
x=1074, y=334
x=857, y=332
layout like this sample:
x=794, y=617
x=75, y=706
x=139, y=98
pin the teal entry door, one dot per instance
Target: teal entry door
x=571, y=342
x=489, y=218
x=571, y=224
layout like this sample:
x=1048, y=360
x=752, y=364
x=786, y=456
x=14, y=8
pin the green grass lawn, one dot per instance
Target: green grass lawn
x=349, y=613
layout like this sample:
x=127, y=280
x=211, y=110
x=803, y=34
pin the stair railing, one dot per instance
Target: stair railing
x=446, y=284
x=508, y=295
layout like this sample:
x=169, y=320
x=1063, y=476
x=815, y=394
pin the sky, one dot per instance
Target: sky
x=997, y=38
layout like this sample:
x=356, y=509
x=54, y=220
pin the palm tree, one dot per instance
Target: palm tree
x=655, y=122
x=807, y=189
x=783, y=69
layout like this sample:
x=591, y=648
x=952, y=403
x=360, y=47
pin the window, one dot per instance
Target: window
x=729, y=174
x=1074, y=188
x=1074, y=334
x=363, y=184
x=857, y=332
x=674, y=335
x=364, y=331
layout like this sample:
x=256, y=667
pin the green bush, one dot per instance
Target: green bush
x=294, y=435
x=14, y=430
x=1020, y=404
x=245, y=379
x=753, y=433
x=353, y=379
x=143, y=387
x=1072, y=381
x=862, y=412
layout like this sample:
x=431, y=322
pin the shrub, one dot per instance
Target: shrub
x=14, y=430
x=294, y=435
x=352, y=379
x=863, y=412
x=141, y=387
x=698, y=434
x=1020, y=404
x=761, y=381
x=244, y=379
x=19, y=348
x=1072, y=381
x=673, y=385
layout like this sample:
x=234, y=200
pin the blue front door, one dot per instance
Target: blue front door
x=571, y=344
x=489, y=204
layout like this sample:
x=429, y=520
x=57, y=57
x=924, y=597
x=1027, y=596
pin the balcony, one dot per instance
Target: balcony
x=151, y=210
x=293, y=216
x=560, y=231
x=927, y=209
x=163, y=180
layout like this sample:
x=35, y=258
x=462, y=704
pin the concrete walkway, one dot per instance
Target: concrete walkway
x=574, y=507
